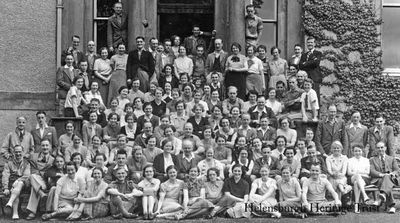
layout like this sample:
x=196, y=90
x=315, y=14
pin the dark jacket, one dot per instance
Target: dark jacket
x=117, y=32
x=311, y=65
x=146, y=63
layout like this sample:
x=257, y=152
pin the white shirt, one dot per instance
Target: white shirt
x=360, y=166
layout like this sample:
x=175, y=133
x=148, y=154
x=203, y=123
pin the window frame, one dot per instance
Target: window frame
x=97, y=19
x=390, y=71
x=271, y=21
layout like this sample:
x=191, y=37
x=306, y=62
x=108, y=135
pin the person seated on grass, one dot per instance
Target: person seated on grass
x=194, y=197
x=290, y=194
x=68, y=188
x=149, y=185
x=262, y=194
x=236, y=195
x=314, y=193
x=15, y=178
x=123, y=196
x=94, y=202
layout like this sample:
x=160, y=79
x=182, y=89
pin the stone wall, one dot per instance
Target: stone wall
x=27, y=59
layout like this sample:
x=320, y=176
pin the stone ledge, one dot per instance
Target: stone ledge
x=27, y=100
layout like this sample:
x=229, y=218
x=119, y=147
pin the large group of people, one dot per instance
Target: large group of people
x=172, y=132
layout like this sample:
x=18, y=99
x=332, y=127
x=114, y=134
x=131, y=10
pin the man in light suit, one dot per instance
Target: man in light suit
x=328, y=131
x=385, y=175
x=355, y=133
x=65, y=75
x=117, y=28
x=309, y=62
x=216, y=60
x=383, y=133
x=43, y=131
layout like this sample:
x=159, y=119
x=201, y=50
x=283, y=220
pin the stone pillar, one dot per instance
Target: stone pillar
x=138, y=11
x=229, y=22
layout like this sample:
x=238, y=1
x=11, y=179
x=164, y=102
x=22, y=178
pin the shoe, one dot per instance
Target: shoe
x=208, y=216
x=151, y=216
x=145, y=216
x=7, y=210
x=116, y=216
x=276, y=215
x=376, y=203
x=131, y=215
x=15, y=218
x=392, y=210
x=46, y=217
x=31, y=216
x=383, y=198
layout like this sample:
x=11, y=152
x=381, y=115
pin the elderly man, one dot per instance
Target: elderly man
x=216, y=61
x=43, y=131
x=91, y=55
x=254, y=26
x=188, y=134
x=117, y=28
x=261, y=110
x=15, y=177
x=232, y=101
x=381, y=133
x=123, y=195
x=187, y=160
x=18, y=137
x=328, y=131
x=385, y=175
x=355, y=133
x=314, y=191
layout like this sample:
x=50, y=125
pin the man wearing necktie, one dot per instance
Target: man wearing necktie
x=385, y=175
x=309, y=62
x=381, y=133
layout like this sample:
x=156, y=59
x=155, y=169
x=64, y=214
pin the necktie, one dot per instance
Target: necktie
x=383, y=164
x=306, y=102
x=308, y=55
x=21, y=136
x=280, y=157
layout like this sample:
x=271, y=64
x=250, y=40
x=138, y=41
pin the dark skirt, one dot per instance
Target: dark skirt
x=103, y=89
x=237, y=79
x=118, y=79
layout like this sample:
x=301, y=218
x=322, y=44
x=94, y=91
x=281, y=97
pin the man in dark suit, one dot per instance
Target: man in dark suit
x=74, y=51
x=328, y=131
x=309, y=62
x=65, y=75
x=266, y=133
x=43, y=131
x=272, y=162
x=385, y=175
x=117, y=28
x=312, y=158
x=260, y=110
x=94, y=107
x=381, y=133
x=140, y=65
x=216, y=61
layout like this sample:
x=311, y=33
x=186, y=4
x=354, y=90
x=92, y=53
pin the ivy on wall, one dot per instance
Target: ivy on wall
x=348, y=33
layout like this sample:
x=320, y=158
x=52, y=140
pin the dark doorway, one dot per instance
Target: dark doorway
x=177, y=17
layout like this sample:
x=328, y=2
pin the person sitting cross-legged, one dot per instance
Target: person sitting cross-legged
x=123, y=195
x=314, y=191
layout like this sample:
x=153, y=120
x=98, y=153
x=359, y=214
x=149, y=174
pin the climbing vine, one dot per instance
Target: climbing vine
x=348, y=34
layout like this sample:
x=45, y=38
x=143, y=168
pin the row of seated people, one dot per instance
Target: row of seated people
x=299, y=183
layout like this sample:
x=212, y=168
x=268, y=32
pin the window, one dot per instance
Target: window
x=390, y=34
x=102, y=10
x=268, y=12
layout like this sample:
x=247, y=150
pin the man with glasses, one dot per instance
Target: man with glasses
x=254, y=26
x=385, y=175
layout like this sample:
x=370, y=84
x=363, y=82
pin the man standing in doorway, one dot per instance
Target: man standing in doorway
x=192, y=41
x=140, y=65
